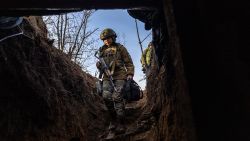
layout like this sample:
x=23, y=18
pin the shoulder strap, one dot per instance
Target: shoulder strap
x=119, y=46
x=101, y=50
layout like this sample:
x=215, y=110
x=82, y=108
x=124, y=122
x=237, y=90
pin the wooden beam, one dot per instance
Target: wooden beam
x=35, y=12
x=51, y=7
x=85, y=4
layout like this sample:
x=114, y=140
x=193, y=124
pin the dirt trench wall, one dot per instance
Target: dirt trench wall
x=43, y=95
x=168, y=94
x=201, y=92
x=215, y=48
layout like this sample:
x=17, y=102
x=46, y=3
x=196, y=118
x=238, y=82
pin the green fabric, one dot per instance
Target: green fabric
x=107, y=33
x=113, y=99
x=147, y=53
x=117, y=55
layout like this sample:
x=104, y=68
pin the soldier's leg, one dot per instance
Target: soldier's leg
x=107, y=96
x=119, y=105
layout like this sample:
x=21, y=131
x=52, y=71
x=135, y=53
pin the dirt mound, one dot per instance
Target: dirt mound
x=44, y=95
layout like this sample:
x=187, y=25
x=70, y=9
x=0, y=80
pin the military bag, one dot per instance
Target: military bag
x=132, y=91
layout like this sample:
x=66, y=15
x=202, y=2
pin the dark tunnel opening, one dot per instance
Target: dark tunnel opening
x=199, y=89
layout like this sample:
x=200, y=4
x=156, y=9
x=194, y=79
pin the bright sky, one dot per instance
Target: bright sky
x=124, y=26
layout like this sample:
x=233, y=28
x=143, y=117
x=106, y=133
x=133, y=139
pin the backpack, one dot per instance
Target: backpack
x=132, y=91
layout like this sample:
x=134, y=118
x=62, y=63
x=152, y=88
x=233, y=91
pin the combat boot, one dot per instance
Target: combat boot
x=112, y=126
x=120, y=129
x=110, y=135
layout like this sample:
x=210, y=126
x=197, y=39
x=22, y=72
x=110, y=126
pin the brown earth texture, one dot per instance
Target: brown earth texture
x=47, y=97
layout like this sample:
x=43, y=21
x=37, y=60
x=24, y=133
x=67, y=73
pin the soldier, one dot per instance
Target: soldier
x=146, y=58
x=121, y=69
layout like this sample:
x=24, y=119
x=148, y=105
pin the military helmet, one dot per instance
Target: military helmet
x=108, y=32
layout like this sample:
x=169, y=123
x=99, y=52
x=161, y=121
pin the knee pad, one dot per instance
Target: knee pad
x=107, y=96
x=117, y=97
x=120, y=114
x=120, y=109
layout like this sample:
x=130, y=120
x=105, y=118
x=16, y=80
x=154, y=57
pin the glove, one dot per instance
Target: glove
x=129, y=77
x=98, y=65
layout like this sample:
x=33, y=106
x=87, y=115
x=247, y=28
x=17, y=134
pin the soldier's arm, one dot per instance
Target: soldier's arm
x=127, y=61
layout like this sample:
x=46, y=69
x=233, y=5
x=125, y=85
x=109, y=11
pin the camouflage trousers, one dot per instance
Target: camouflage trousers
x=114, y=100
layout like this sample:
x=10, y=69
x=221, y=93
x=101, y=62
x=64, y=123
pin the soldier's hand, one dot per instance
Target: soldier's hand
x=129, y=77
x=98, y=65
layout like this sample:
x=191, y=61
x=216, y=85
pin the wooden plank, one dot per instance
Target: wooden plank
x=35, y=12
x=86, y=4
x=51, y=7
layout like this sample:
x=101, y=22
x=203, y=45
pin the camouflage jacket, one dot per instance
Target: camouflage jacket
x=118, y=60
x=147, y=54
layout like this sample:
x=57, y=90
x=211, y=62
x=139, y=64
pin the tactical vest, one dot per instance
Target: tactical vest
x=111, y=56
